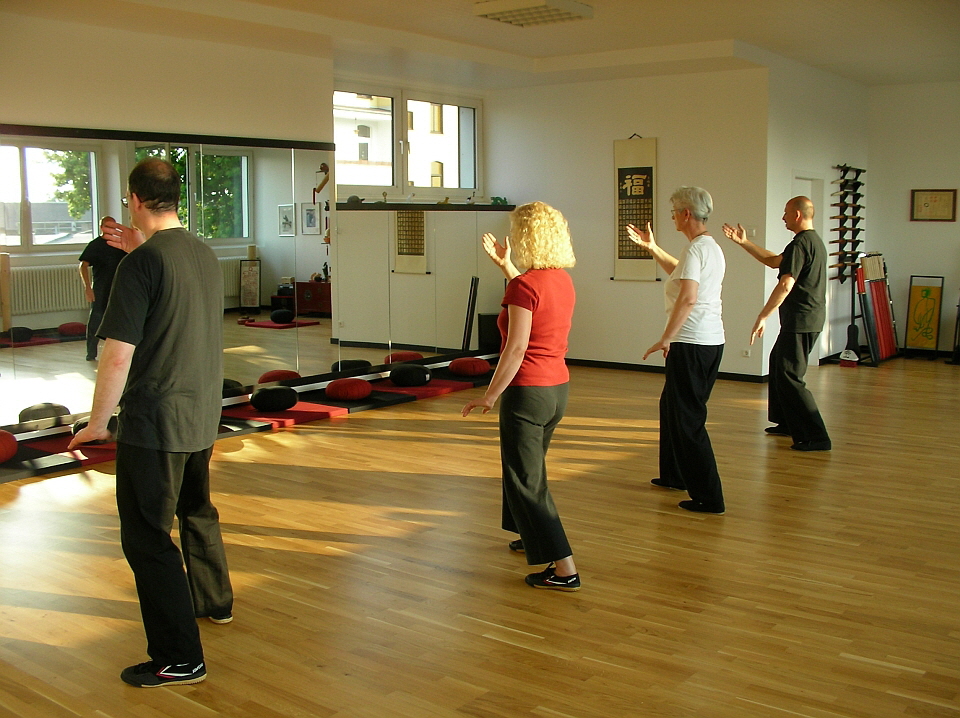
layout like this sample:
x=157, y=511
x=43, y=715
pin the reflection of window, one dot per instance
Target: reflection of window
x=52, y=192
x=424, y=142
x=213, y=196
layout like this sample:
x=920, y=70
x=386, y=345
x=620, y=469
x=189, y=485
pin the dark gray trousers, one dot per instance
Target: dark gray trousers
x=686, y=454
x=152, y=487
x=528, y=416
x=789, y=402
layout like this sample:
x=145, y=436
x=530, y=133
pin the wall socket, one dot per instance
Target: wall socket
x=745, y=353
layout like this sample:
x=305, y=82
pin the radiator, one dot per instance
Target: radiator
x=57, y=288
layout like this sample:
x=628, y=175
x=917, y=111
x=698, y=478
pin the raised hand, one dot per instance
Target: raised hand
x=121, y=236
x=644, y=238
x=738, y=234
x=499, y=253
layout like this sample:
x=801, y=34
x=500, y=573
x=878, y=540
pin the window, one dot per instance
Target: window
x=406, y=143
x=213, y=196
x=48, y=196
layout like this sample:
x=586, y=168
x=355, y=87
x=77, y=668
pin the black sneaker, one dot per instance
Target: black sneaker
x=548, y=578
x=701, y=508
x=778, y=430
x=812, y=446
x=226, y=618
x=151, y=674
x=516, y=546
x=664, y=485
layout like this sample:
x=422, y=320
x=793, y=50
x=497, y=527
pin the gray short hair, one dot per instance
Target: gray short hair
x=696, y=199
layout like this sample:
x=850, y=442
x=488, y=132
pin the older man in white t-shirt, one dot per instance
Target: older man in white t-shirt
x=692, y=346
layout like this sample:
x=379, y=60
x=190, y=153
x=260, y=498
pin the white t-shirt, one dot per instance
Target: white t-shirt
x=702, y=261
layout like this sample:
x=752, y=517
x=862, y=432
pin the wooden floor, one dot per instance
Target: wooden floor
x=372, y=579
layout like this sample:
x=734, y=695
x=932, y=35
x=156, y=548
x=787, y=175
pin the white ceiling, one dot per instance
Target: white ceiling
x=874, y=42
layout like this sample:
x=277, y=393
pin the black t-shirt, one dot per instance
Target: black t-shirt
x=103, y=260
x=805, y=308
x=167, y=300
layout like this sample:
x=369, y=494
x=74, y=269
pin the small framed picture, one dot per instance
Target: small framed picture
x=933, y=205
x=309, y=218
x=288, y=220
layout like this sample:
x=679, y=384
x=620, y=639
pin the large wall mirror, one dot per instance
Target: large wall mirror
x=363, y=281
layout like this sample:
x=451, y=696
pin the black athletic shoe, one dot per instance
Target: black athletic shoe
x=812, y=446
x=516, y=546
x=701, y=508
x=548, y=578
x=778, y=430
x=221, y=619
x=664, y=485
x=152, y=675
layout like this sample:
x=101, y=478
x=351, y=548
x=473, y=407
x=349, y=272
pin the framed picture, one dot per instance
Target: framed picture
x=309, y=218
x=933, y=205
x=288, y=220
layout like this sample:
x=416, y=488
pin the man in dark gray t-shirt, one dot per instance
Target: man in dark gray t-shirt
x=801, y=296
x=162, y=363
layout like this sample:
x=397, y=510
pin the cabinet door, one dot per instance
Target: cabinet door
x=361, y=276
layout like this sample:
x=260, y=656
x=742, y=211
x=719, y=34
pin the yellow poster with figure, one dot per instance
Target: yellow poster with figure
x=923, y=316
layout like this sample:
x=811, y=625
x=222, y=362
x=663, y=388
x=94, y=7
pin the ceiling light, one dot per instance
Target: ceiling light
x=532, y=12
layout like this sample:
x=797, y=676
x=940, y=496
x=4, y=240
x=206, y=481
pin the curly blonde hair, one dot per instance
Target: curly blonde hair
x=540, y=237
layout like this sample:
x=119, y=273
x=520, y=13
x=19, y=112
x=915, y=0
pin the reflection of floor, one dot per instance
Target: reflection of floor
x=59, y=373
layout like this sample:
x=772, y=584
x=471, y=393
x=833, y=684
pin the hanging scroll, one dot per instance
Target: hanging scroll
x=635, y=163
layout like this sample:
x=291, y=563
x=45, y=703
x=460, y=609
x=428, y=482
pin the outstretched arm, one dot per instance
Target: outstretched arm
x=739, y=235
x=777, y=296
x=646, y=240
x=500, y=254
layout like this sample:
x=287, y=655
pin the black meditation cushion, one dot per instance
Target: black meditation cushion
x=43, y=411
x=274, y=398
x=349, y=365
x=281, y=316
x=349, y=389
x=409, y=375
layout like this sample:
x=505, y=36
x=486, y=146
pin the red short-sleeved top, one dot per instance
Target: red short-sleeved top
x=549, y=294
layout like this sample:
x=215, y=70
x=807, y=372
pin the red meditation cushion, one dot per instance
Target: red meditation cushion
x=349, y=389
x=469, y=366
x=72, y=329
x=401, y=356
x=8, y=446
x=277, y=375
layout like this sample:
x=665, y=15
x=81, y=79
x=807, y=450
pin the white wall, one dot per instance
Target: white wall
x=915, y=144
x=555, y=144
x=74, y=75
x=817, y=121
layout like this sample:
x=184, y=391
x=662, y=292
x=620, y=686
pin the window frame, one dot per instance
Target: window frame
x=192, y=188
x=97, y=191
x=400, y=123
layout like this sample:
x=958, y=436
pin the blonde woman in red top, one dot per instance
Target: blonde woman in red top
x=532, y=382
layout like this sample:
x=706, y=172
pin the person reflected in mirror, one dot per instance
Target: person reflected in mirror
x=532, y=383
x=98, y=263
x=692, y=346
